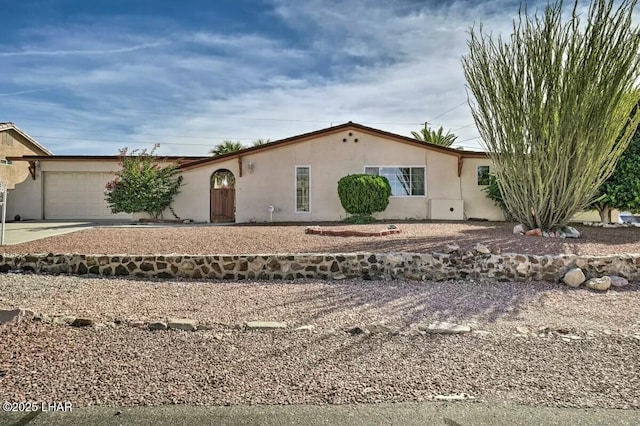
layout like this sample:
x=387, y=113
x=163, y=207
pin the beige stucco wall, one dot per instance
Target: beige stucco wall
x=476, y=203
x=14, y=145
x=193, y=201
x=272, y=180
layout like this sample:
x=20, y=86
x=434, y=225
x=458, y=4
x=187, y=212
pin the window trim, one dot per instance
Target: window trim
x=488, y=175
x=295, y=189
x=419, y=166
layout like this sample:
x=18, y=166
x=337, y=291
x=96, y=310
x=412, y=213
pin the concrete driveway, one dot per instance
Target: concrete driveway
x=22, y=232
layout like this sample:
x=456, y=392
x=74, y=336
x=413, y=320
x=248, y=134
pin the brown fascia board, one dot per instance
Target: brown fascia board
x=331, y=130
x=179, y=159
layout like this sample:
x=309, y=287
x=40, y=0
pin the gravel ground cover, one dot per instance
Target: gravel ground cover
x=240, y=239
x=132, y=366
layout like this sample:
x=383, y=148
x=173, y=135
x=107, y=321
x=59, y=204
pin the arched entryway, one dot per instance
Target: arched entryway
x=223, y=196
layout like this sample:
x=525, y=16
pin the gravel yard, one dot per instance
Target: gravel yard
x=132, y=366
x=240, y=239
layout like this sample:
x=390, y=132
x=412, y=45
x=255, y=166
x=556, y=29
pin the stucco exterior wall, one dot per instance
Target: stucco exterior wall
x=14, y=145
x=476, y=203
x=330, y=157
x=25, y=200
x=193, y=201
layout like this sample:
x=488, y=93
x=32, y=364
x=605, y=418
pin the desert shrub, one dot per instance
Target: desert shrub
x=362, y=195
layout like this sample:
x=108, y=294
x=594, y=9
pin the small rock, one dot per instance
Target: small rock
x=534, y=232
x=378, y=329
x=82, y=322
x=570, y=337
x=182, y=324
x=574, y=277
x=617, y=281
x=357, y=330
x=522, y=329
x=599, y=284
x=66, y=319
x=264, y=325
x=451, y=248
x=414, y=276
x=570, y=232
x=137, y=324
x=454, y=397
x=11, y=316
x=607, y=332
x=158, y=326
x=519, y=229
x=309, y=327
x=496, y=250
x=444, y=328
x=218, y=336
x=482, y=249
x=481, y=332
x=338, y=277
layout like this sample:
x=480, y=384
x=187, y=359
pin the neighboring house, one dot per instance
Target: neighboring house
x=297, y=176
x=16, y=143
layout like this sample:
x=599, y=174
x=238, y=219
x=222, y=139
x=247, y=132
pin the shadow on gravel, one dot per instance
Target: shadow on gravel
x=402, y=304
x=599, y=240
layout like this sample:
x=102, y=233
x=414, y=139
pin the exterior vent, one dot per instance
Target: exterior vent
x=446, y=209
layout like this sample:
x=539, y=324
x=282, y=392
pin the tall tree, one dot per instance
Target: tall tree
x=553, y=108
x=226, y=147
x=436, y=137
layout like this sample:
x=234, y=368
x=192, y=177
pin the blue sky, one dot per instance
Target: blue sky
x=90, y=77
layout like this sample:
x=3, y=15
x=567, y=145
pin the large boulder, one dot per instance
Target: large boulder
x=570, y=232
x=574, y=277
x=617, y=281
x=519, y=229
x=599, y=284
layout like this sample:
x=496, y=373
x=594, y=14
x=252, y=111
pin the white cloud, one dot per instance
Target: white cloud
x=388, y=65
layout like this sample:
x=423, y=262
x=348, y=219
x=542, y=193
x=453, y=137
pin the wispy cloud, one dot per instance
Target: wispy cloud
x=82, y=52
x=390, y=65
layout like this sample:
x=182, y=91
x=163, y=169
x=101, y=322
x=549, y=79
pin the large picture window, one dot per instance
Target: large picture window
x=405, y=181
x=302, y=189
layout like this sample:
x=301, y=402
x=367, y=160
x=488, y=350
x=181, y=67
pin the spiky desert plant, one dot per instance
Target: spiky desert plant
x=554, y=106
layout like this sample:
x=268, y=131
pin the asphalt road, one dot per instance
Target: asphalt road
x=407, y=414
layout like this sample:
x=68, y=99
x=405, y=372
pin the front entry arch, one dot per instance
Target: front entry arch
x=223, y=196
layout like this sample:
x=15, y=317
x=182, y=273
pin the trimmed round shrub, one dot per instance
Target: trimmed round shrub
x=363, y=194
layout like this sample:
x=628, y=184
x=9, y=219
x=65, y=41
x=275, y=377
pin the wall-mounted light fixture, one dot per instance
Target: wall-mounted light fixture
x=250, y=166
x=38, y=164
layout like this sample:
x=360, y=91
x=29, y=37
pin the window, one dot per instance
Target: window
x=302, y=188
x=6, y=162
x=405, y=181
x=483, y=175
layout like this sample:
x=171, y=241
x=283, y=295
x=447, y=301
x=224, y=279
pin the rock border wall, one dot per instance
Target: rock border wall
x=375, y=266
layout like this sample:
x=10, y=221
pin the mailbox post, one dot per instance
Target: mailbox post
x=3, y=202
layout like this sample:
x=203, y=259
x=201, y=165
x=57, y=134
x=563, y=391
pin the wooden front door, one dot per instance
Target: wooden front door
x=223, y=207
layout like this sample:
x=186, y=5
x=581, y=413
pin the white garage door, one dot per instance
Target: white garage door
x=77, y=195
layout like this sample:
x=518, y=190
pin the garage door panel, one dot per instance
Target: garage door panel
x=77, y=195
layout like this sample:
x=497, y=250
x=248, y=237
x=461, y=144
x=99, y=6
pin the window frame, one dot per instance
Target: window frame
x=421, y=166
x=295, y=189
x=6, y=162
x=488, y=175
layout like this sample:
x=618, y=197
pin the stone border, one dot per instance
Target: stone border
x=349, y=232
x=372, y=266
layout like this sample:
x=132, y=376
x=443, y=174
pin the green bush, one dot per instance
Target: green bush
x=493, y=193
x=145, y=183
x=362, y=195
